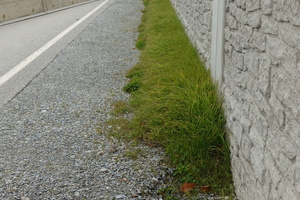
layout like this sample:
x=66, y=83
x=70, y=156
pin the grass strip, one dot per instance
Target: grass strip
x=175, y=102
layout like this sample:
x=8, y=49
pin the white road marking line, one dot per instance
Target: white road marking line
x=32, y=57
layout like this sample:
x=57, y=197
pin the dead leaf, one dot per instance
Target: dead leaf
x=187, y=187
x=123, y=180
x=205, y=188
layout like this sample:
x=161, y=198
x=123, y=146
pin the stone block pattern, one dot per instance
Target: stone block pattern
x=196, y=16
x=261, y=88
x=262, y=96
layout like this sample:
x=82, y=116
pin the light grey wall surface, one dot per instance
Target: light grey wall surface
x=262, y=96
x=12, y=9
x=261, y=88
x=196, y=16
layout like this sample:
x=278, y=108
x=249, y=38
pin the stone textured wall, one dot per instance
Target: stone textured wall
x=196, y=17
x=262, y=96
x=261, y=88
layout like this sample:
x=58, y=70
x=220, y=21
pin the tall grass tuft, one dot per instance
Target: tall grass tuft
x=176, y=103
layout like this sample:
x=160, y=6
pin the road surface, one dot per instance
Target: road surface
x=20, y=40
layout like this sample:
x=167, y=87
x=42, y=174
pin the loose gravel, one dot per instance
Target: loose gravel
x=49, y=143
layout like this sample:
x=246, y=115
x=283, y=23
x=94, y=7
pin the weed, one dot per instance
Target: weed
x=140, y=44
x=133, y=153
x=119, y=128
x=168, y=192
x=132, y=86
x=121, y=107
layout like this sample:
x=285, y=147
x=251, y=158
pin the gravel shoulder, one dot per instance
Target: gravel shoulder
x=49, y=145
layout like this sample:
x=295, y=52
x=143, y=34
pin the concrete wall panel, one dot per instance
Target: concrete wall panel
x=12, y=9
x=54, y=4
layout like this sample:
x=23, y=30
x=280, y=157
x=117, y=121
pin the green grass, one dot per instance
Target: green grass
x=175, y=102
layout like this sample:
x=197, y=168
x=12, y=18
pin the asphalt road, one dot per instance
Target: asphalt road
x=20, y=39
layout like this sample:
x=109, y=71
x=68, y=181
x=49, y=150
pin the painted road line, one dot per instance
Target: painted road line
x=32, y=57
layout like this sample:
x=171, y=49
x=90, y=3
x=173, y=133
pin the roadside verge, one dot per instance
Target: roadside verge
x=176, y=103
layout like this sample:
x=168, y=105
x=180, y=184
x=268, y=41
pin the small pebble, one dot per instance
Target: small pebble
x=103, y=170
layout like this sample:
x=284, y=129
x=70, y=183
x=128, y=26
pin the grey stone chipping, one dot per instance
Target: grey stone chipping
x=49, y=145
